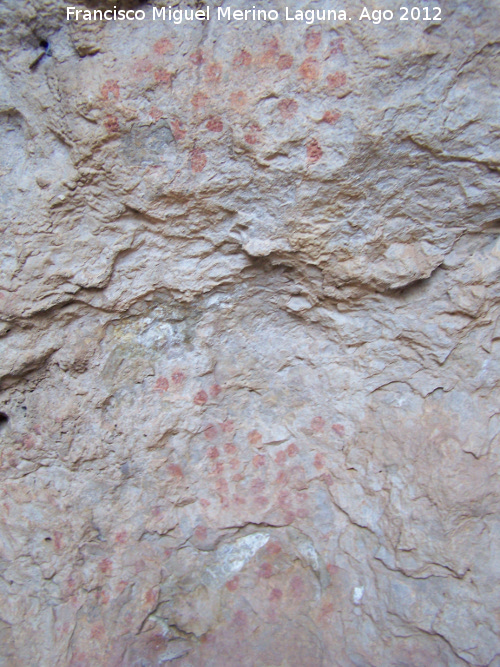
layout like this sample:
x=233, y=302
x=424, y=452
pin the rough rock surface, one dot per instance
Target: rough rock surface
x=250, y=341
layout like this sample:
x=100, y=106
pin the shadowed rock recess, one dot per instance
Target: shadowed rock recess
x=249, y=340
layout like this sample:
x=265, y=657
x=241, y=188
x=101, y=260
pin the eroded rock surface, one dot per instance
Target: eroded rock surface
x=250, y=341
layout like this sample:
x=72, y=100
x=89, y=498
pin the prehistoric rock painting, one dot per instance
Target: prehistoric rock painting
x=249, y=338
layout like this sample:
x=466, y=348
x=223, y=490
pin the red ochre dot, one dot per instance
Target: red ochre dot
x=337, y=79
x=331, y=117
x=210, y=432
x=233, y=584
x=314, y=151
x=285, y=61
x=198, y=161
x=276, y=594
x=242, y=59
x=161, y=384
x=201, y=398
x=162, y=46
x=254, y=437
x=215, y=124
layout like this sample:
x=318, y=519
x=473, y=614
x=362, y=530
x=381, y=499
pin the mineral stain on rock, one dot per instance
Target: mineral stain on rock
x=249, y=341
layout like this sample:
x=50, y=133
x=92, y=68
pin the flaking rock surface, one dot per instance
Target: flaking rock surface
x=250, y=341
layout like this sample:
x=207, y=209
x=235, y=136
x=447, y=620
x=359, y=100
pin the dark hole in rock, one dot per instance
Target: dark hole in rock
x=4, y=419
x=48, y=539
x=44, y=44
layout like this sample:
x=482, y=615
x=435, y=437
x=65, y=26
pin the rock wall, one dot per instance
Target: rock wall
x=250, y=340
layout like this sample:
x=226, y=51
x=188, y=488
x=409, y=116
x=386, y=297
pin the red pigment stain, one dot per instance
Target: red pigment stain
x=326, y=478
x=227, y=426
x=285, y=61
x=230, y=448
x=210, y=432
x=239, y=500
x=327, y=609
x=292, y=450
x=197, y=57
x=265, y=570
x=28, y=441
x=199, y=100
x=155, y=113
x=261, y=501
x=288, y=108
x=121, y=537
x=258, y=485
x=254, y=437
x=161, y=384
x=297, y=586
x=337, y=79
x=215, y=390
x=280, y=458
x=284, y=500
x=175, y=470
x=319, y=461
x=142, y=67
x=214, y=124
x=156, y=511
x=309, y=69
x=276, y=594
x=302, y=513
x=151, y=597
x=111, y=124
x=242, y=59
x=332, y=569
x=97, y=631
x=259, y=461
x=205, y=503
x=213, y=72
x=213, y=453
x=105, y=566
x=240, y=619
x=271, y=48
x=338, y=428
x=313, y=39
x=219, y=468
x=273, y=548
x=121, y=586
x=222, y=486
x=163, y=46
x=200, y=532
x=178, y=378
x=234, y=464
x=238, y=477
x=178, y=132
x=238, y=99
x=233, y=584
x=253, y=136
x=198, y=160
x=317, y=424
x=282, y=477
x=162, y=76
x=331, y=117
x=336, y=46
x=201, y=398
x=314, y=151
x=110, y=87
x=57, y=540
x=38, y=429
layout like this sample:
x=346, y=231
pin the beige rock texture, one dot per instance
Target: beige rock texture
x=250, y=339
